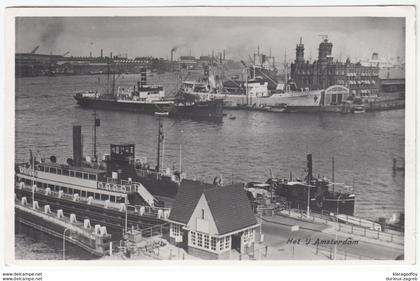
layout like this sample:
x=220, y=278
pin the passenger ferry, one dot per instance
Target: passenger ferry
x=105, y=182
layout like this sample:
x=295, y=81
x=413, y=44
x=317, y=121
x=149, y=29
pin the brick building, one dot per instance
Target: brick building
x=210, y=221
x=362, y=81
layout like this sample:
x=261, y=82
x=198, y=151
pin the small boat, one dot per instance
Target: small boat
x=358, y=109
x=162, y=113
x=231, y=117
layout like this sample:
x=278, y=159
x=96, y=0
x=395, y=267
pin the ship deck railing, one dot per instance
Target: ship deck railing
x=141, y=210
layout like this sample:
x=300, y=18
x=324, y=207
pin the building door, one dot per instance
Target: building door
x=339, y=98
x=184, y=243
x=236, y=242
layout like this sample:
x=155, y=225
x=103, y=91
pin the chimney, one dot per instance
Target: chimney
x=102, y=53
x=110, y=55
x=224, y=55
x=77, y=145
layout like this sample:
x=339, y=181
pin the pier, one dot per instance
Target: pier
x=94, y=240
x=116, y=220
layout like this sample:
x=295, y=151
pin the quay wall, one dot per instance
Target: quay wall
x=113, y=219
x=83, y=238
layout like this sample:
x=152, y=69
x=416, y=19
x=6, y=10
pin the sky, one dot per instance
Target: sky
x=353, y=37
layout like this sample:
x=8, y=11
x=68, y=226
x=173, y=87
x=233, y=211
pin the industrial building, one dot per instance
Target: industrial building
x=210, y=221
x=362, y=81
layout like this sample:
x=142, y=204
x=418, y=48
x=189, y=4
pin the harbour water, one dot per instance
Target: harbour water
x=243, y=149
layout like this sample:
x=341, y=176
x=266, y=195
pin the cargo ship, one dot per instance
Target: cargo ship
x=144, y=98
x=297, y=193
x=260, y=90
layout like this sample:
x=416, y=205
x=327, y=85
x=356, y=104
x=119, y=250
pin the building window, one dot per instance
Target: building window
x=248, y=236
x=78, y=174
x=199, y=240
x=85, y=176
x=65, y=172
x=222, y=244
x=227, y=242
x=193, y=238
x=213, y=243
x=71, y=174
x=176, y=230
x=202, y=214
x=92, y=177
x=206, y=241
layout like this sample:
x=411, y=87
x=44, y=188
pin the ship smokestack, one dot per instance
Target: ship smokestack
x=172, y=59
x=309, y=161
x=77, y=145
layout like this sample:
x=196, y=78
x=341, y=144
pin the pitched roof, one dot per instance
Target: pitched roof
x=229, y=205
x=230, y=208
x=186, y=199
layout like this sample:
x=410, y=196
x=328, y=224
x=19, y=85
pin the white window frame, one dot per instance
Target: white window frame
x=175, y=230
x=200, y=239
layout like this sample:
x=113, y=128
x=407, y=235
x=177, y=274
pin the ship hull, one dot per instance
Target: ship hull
x=293, y=100
x=158, y=185
x=322, y=203
x=212, y=110
x=149, y=108
x=209, y=110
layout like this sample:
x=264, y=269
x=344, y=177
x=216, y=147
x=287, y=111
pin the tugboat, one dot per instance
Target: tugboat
x=144, y=98
x=316, y=191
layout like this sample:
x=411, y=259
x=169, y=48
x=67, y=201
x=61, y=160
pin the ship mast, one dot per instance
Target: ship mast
x=332, y=167
x=285, y=69
x=96, y=123
x=94, y=134
x=309, y=182
x=160, y=140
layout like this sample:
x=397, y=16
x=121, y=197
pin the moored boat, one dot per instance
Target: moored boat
x=315, y=191
x=144, y=98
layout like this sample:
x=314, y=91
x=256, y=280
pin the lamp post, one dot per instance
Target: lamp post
x=126, y=215
x=338, y=204
x=336, y=215
x=64, y=242
x=309, y=201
